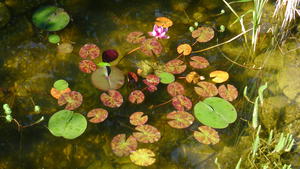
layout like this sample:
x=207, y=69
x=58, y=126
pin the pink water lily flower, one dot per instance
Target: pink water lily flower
x=159, y=32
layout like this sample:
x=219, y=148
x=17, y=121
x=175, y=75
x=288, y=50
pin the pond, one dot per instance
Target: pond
x=140, y=68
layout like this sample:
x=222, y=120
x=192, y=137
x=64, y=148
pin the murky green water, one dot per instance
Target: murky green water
x=30, y=65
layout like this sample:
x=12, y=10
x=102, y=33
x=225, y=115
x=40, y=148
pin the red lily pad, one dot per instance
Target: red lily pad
x=136, y=96
x=151, y=80
x=89, y=50
x=87, y=66
x=132, y=77
x=151, y=46
x=73, y=100
x=97, y=115
x=138, y=119
x=122, y=146
x=206, y=89
x=203, y=34
x=180, y=119
x=146, y=134
x=151, y=88
x=135, y=37
x=182, y=103
x=57, y=93
x=113, y=99
x=175, y=66
x=206, y=135
x=175, y=89
x=230, y=93
x=199, y=62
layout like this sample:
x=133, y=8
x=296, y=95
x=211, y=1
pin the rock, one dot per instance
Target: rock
x=4, y=15
x=292, y=113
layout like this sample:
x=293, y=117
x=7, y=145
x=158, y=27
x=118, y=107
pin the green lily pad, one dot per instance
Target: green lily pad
x=180, y=119
x=215, y=112
x=50, y=18
x=146, y=134
x=104, y=80
x=122, y=146
x=61, y=85
x=54, y=39
x=207, y=135
x=67, y=124
x=166, y=77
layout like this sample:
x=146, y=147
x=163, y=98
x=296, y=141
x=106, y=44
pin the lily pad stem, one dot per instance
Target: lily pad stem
x=133, y=50
x=156, y=106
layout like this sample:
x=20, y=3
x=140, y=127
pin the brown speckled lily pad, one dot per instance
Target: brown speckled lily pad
x=182, y=103
x=135, y=37
x=97, y=115
x=203, y=34
x=136, y=97
x=175, y=89
x=73, y=100
x=230, y=93
x=175, y=66
x=113, y=99
x=89, y=50
x=122, y=146
x=151, y=46
x=146, y=134
x=184, y=49
x=143, y=157
x=180, y=119
x=151, y=80
x=206, y=135
x=199, y=62
x=206, y=89
x=137, y=118
x=151, y=88
x=87, y=66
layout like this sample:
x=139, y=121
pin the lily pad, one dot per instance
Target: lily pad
x=104, y=81
x=57, y=93
x=146, y=134
x=175, y=89
x=97, y=115
x=87, y=66
x=67, y=124
x=182, y=103
x=122, y=146
x=132, y=77
x=194, y=77
x=113, y=99
x=61, y=85
x=89, y=50
x=180, y=119
x=199, y=62
x=184, y=49
x=166, y=77
x=203, y=34
x=73, y=100
x=135, y=37
x=53, y=39
x=206, y=89
x=164, y=22
x=151, y=80
x=151, y=88
x=219, y=76
x=215, y=112
x=136, y=96
x=138, y=119
x=206, y=135
x=230, y=93
x=175, y=66
x=143, y=157
x=50, y=18
x=151, y=46
x=65, y=48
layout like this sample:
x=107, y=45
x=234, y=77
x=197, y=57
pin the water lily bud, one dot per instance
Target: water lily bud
x=37, y=109
x=196, y=24
x=109, y=55
x=6, y=109
x=8, y=118
x=222, y=11
x=222, y=28
x=191, y=28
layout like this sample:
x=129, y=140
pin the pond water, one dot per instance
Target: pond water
x=30, y=65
